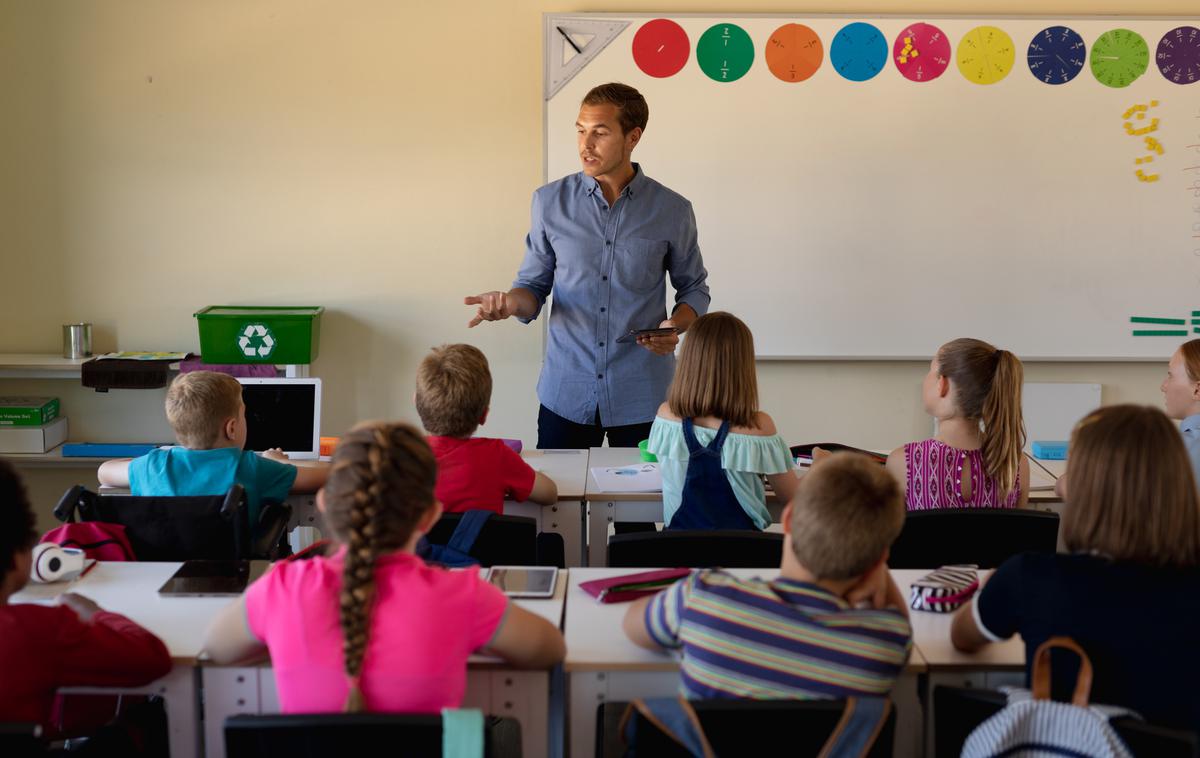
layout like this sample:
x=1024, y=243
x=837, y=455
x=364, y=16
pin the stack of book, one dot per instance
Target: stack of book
x=31, y=425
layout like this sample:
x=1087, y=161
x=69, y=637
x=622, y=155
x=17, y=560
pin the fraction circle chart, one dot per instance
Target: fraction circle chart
x=859, y=51
x=985, y=55
x=921, y=52
x=1119, y=57
x=794, y=53
x=725, y=52
x=1178, y=55
x=661, y=48
x=1056, y=55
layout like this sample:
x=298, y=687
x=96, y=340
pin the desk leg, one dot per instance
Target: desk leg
x=564, y=518
x=523, y=695
x=589, y=689
x=908, y=741
x=599, y=515
x=228, y=691
x=180, y=691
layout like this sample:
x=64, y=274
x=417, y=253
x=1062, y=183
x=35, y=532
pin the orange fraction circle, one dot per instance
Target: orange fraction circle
x=794, y=52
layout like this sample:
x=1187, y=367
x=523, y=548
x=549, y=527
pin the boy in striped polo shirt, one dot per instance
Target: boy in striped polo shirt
x=832, y=625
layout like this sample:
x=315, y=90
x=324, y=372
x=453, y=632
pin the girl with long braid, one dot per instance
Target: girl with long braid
x=371, y=626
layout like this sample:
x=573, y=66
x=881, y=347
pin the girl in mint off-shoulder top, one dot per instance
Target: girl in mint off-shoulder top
x=714, y=397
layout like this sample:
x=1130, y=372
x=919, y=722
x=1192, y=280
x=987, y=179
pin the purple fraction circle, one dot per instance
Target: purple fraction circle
x=1178, y=55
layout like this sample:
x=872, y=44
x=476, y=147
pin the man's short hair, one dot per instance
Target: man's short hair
x=632, y=110
x=16, y=517
x=198, y=405
x=454, y=388
x=847, y=511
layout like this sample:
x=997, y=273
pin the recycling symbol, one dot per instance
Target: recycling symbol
x=256, y=341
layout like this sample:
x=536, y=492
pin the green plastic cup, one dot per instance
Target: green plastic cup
x=648, y=457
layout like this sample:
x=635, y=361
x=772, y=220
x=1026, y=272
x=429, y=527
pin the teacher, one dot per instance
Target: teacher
x=604, y=240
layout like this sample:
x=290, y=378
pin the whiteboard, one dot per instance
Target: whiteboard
x=881, y=218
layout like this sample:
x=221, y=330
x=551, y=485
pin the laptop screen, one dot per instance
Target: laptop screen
x=283, y=413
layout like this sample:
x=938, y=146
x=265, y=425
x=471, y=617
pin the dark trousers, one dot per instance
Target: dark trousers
x=554, y=431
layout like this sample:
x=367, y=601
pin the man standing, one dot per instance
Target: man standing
x=604, y=240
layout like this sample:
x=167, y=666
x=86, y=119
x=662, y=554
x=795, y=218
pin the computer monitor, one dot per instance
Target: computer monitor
x=283, y=413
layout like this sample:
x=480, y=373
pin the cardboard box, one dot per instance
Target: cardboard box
x=27, y=411
x=33, y=439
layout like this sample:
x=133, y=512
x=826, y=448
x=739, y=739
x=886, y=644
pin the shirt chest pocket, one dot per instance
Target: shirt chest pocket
x=639, y=263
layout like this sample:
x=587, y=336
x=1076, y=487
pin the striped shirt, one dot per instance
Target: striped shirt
x=777, y=640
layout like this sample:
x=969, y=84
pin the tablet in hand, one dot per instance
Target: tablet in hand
x=635, y=333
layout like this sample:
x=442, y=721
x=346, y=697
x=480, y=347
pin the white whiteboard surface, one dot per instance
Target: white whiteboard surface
x=1052, y=409
x=880, y=219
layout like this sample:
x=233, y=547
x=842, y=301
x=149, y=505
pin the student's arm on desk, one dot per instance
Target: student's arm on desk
x=634, y=624
x=228, y=639
x=527, y=640
x=545, y=491
x=964, y=632
x=310, y=475
x=114, y=473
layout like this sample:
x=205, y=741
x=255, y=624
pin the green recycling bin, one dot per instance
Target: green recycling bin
x=259, y=334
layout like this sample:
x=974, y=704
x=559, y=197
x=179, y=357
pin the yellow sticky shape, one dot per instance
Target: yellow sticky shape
x=903, y=60
x=1143, y=159
x=1153, y=103
x=915, y=53
x=908, y=40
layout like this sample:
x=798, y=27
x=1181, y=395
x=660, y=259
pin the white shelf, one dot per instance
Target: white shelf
x=39, y=366
x=52, y=459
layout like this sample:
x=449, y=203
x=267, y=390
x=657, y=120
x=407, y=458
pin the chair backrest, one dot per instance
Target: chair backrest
x=504, y=540
x=701, y=548
x=212, y=527
x=983, y=536
x=289, y=736
x=802, y=725
x=958, y=710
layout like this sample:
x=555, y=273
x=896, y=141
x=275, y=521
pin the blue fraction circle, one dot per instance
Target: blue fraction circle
x=859, y=51
x=1056, y=55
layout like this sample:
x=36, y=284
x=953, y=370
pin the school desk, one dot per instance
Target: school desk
x=604, y=508
x=603, y=665
x=193, y=684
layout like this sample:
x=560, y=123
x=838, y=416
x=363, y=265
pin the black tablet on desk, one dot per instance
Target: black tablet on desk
x=213, y=578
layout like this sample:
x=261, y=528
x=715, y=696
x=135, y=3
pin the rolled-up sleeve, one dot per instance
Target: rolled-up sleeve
x=686, y=267
x=537, y=269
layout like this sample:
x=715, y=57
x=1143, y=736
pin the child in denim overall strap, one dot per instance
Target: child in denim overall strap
x=708, y=498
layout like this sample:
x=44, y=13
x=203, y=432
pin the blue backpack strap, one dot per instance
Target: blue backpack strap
x=467, y=531
x=860, y=725
x=689, y=436
x=674, y=717
x=462, y=733
x=719, y=441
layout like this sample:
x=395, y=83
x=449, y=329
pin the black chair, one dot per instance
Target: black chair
x=983, y=536
x=701, y=548
x=354, y=734
x=211, y=527
x=734, y=726
x=505, y=541
x=958, y=710
x=20, y=740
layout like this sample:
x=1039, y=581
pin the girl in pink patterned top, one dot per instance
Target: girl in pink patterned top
x=975, y=461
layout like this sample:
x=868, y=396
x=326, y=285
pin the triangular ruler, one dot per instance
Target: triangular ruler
x=571, y=43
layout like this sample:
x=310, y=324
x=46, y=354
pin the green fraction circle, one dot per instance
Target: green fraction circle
x=725, y=52
x=1119, y=57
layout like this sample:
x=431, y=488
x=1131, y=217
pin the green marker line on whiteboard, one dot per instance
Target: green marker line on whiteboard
x=1161, y=332
x=1147, y=320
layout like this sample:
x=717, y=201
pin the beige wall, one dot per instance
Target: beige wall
x=374, y=157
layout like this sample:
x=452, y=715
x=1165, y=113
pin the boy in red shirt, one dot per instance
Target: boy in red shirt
x=74, y=643
x=454, y=390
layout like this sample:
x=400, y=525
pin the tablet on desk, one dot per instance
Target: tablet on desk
x=209, y=578
x=524, y=581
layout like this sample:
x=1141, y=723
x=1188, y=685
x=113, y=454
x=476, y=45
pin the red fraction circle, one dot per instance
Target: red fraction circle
x=661, y=48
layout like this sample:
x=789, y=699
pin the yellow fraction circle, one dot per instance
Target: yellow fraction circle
x=985, y=55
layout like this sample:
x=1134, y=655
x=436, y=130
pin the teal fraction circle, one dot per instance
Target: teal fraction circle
x=859, y=51
x=725, y=52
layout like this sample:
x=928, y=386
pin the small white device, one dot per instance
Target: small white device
x=54, y=563
x=283, y=413
x=524, y=581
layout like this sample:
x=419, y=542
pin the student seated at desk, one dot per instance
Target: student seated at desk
x=713, y=443
x=206, y=411
x=1126, y=591
x=454, y=389
x=832, y=625
x=372, y=627
x=74, y=643
x=976, y=459
x=1181, y=394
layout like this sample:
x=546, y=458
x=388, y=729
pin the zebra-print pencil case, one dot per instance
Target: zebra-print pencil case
x=945, y=589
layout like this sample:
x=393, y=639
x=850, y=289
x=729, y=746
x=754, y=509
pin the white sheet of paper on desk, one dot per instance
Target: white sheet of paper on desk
x=1039, y=481
x=641, y=477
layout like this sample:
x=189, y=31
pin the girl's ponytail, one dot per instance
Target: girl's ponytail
x=1003, y=422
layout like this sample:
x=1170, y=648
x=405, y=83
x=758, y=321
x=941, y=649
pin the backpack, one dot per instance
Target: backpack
x=98, y=540
x=456, y=553
x=1034, y=725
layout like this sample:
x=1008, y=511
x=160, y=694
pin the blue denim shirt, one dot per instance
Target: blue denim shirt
x=607, y=267
x=1190, y=428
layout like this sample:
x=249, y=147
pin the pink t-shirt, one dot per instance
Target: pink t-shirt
x=425, y=623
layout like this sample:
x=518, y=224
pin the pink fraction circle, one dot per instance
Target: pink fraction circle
x=921, y=52
x=661, y=48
